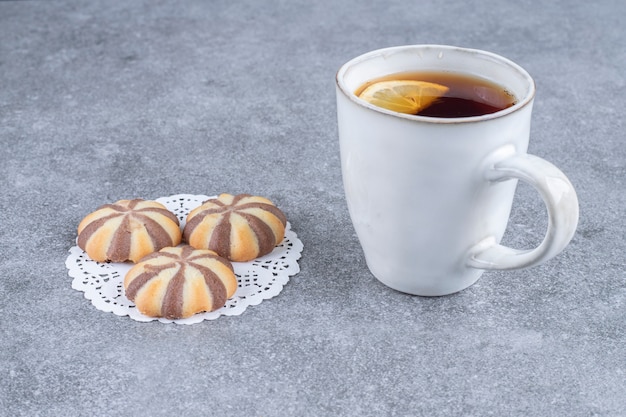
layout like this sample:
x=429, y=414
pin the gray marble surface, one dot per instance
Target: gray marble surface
x=106, y=100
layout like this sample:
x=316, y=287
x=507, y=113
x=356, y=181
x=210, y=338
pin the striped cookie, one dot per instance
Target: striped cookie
x=240, y=228
x=128, y=230
x=180, y=282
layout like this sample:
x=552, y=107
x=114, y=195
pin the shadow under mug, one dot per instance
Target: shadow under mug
x=430, y=198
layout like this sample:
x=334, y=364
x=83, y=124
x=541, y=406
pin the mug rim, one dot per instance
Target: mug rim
x=525, y=101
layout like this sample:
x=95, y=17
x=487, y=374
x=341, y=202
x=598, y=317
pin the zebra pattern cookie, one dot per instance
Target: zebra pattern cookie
x=240, y=228
x=128, y=230
x=178, y=282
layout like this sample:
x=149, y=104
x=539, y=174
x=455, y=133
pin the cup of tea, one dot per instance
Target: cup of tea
x=433, y=140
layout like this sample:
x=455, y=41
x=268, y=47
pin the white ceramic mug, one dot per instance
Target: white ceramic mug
x=430, y=198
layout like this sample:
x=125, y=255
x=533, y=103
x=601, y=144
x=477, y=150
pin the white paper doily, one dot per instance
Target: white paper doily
x=258, y=280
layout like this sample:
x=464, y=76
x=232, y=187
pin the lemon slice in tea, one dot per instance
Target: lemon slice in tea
x=403, y=96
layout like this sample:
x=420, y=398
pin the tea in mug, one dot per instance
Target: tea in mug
x=436, y=94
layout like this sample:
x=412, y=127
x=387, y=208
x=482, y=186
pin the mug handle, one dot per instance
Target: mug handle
x=560, y=200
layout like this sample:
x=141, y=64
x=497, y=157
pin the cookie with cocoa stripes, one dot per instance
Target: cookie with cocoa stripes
x=178, y=282
x=240, y=228
x=128, y=230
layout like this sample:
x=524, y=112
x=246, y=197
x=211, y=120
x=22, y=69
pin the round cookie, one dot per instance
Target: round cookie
x=128, y=230
x=240, y=228
x=180, y=282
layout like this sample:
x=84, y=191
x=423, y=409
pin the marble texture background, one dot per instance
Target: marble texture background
x=107, y=100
